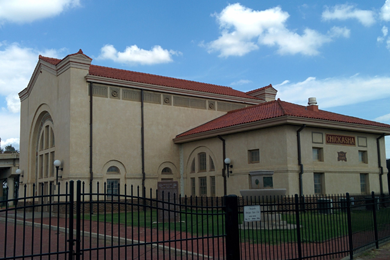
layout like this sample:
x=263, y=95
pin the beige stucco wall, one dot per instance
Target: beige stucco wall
x=278, y=153
x=116, y=132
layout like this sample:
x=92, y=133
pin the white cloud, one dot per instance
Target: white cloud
x=385, y=11
x=135, y=55
x=344, y=12
x=240, y=82
x=10, y=129
x=333, y=92
x=243, y=30
x=22, y=11
x=16, y=66
x=384, y=118
x=10, y=141
x=385, y=30
x=339, y=32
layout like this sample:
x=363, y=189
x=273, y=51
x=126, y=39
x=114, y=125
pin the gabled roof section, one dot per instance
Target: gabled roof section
x=267, y=93
x=273, y=110
x=107, y=75
x=260, y=89
x=127, y=75
x=56, y=67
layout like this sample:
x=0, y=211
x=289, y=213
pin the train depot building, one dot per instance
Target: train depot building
x=121, y=127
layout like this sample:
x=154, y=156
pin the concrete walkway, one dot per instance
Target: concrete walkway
x=383, y=253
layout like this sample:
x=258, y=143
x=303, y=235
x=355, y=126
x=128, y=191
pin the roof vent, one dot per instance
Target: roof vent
x=312, y=101
x=312, y=104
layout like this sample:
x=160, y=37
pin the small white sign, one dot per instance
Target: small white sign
x=252, y=213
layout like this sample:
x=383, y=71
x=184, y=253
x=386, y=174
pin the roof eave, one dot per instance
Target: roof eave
x=283, y=120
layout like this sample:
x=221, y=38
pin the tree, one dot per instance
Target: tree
x=10, y=148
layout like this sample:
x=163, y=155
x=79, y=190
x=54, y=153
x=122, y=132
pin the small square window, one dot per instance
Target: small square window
x=254, y=156
x=318, y=154
x=363, y=156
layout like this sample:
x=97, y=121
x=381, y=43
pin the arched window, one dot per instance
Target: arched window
x=45, y=148
x=113, y=170
x=212, y=167
x=166, y=170
x=193, y=166
x=203, y=183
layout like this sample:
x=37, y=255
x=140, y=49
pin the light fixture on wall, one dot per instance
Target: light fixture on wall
x=19, y=172
x=228, y=166
x=57, y=164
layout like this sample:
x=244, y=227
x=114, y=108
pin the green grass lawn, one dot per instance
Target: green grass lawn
x=314, y=227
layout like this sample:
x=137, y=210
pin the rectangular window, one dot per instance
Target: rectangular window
x=254, y=156
x=363, y=183
x=268, y=182
x=318, y=183
x=203, y=186
x=212, y=186
x=193, y=190
x=113, y=187
x=202, y=162
x=363, y=157
x=318, y=154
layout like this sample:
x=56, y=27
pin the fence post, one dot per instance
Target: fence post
x=78, y=220
x=231, y=227
x=349, y=220
x=375, y=220
x=297, y=204
x=71, y=204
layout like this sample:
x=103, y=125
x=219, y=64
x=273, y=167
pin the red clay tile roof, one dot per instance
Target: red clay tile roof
x=274, y=109
x=157, y=80
x=255, y=90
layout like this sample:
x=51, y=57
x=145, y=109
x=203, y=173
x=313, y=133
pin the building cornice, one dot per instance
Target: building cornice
x=170, y=90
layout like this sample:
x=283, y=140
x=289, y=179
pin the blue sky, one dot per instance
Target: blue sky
x=333, y=50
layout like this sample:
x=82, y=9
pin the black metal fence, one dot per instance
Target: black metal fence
x=72, y=223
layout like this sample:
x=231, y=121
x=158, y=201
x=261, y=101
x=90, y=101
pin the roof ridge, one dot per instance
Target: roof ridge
x=165, y=77
x=280, y=105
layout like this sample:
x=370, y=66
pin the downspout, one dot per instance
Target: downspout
x=380, y=163
x=181, y=171
x=300, y=159
x=90, y=132
x=223, y=162
x=142, y=141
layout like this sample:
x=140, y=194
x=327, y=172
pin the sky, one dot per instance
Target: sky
x=335, y=51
